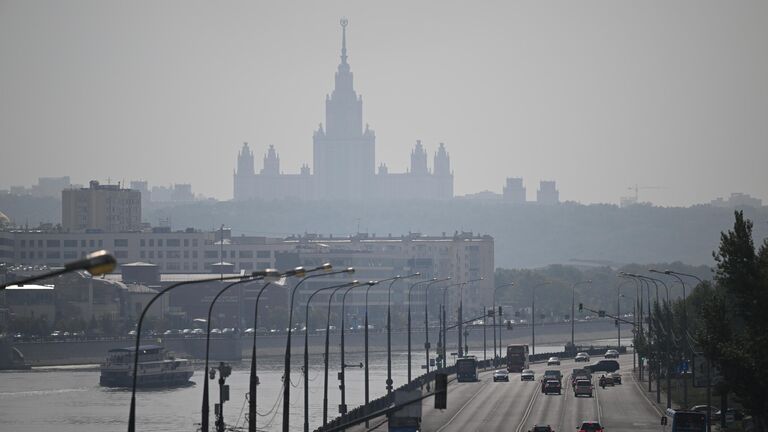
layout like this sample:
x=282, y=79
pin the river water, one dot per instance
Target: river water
x=70, y=398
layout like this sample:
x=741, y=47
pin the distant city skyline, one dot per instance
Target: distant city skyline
x=596, y=97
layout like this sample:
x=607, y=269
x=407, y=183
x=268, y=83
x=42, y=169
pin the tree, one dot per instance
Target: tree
x=733, y=320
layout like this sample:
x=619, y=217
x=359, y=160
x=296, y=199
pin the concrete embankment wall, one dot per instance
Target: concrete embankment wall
x=89, y=352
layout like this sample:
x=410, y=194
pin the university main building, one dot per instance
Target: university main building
x=344, y=159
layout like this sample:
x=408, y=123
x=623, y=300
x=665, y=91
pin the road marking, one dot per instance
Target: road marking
x=463, y=406
x=599, y=409
x=565, y=402
x=528, y=410
x=642, y=393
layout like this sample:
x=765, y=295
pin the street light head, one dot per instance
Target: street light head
x=269, y=274
x=298, y=272
x=372, y=283
x=96, y=263
x=354, y=282
x=416, y=274
x=350, y=270
x=668, y=272
x=325, y=267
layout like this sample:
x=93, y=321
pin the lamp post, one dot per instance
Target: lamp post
x=325, y=359
x=658, y=363
x=495, y=312
x=287, y=366
x=306, y=348
x=461, y=312
x=253, y=378
x=205, y=408
x=573, y=311
x=365, y=338
x=443, y=325
x=426, y=320
x=410, y=290
x=343, y=386
x=533, y=316
x=96, y=263
x=389, y=326
x=676, y=275
x=638, y=316
x=132, y=412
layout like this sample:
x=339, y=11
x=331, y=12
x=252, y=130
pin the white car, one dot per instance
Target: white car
x=527, y=375
x=581, y=357
x=611, y=353
x=553, y=361
x=501, y=375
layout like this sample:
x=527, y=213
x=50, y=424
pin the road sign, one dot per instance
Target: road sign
x=700, y=365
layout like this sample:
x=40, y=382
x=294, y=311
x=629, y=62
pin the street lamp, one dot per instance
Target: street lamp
x=205, y=408
x=410, y=290
x=343, y=386
x=426, y=319
x=495, y=312
x=132, y=412
x=254, y=379
x=325, y=360
x=677, y=275
x=533, y=315
x=389, y=328
x=287, y=366
x=461, y=313
x=306, y=348
x=443, y=325
x=96, y=263
x=573, y=311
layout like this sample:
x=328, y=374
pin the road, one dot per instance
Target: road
x=517, y=405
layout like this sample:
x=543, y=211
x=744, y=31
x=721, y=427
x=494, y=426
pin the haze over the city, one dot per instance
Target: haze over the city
x=598, y=96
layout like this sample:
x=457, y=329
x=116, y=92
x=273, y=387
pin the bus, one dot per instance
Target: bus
x=517, y=358
x=466, y=369
x=687, y=421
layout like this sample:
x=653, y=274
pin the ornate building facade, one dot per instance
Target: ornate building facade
x=344, y=159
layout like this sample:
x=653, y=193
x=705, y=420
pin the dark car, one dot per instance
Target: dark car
x=552, y=386
x=603, y=366
x=591, y=426
x=542, y=428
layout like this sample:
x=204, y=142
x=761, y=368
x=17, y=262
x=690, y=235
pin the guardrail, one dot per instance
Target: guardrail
x=361, y=413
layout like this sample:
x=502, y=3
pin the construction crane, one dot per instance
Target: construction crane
x=637, y=188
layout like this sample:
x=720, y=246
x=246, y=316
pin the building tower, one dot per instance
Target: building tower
x=271, y=162
x=419, y=160
x=514, y=191
x=344, y=153
x=243, y=177
x=443, y=174
x=547, y=193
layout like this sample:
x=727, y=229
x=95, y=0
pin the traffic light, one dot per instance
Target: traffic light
x=509, y=325
x=490, y=312
x=601, y=313
x=499, y=310
x=581, y=307
x=441, y=391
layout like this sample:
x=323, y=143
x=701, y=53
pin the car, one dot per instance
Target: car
x=581, y=357
x=704, y=408
x=616, y=377
x=591, y=426
x=551, y=386
x=552, y=374
x=583, y=387
x=198, y=331
x=501, y=375
x=542, y=428
x=249, y=330
x=553, y=361
x=611, y=353
x=603, y=366
x=527, y=375
x=731, y=415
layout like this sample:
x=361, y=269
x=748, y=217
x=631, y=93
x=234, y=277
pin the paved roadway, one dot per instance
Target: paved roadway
x=518, y=405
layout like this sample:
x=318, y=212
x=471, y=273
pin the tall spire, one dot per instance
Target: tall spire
x=344, y=22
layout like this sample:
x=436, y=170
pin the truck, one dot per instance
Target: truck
x=517, y=358
x=466, y=369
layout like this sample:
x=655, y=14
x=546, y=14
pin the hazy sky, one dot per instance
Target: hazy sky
x=597, y=95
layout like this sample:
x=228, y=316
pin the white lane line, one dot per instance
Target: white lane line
x=642, y=393
x=528, y=410
x=565, y=402
x=463, y=406
x=599, y=409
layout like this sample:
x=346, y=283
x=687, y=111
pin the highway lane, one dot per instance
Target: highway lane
x=517, y=406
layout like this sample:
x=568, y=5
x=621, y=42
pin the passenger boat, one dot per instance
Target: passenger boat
x=156, y=368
